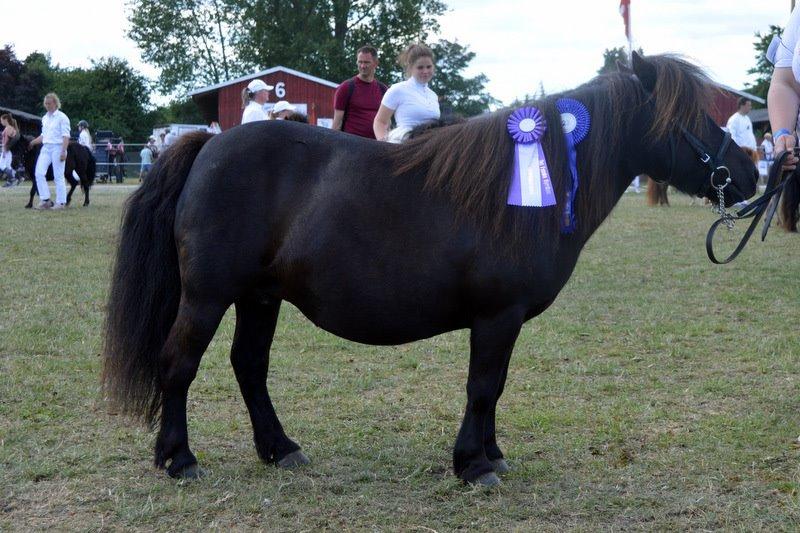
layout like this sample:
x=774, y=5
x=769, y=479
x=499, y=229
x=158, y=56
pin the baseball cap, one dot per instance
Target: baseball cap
x=258, y=85
x=283, y=105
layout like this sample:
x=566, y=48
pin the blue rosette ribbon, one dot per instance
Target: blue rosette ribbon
x=531, y=185
x=575, y=121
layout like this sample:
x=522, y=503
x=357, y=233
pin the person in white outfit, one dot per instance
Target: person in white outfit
x=54, y=140
x=411, y=102
x=740, y=125
x=783, y=98
x=10, y=131
x=85, y=137
x=254, y=96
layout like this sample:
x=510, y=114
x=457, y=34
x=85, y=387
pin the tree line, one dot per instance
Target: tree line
x=110, y=95
x=205, y=42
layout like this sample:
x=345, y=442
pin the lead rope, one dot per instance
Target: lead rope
x=768, y=202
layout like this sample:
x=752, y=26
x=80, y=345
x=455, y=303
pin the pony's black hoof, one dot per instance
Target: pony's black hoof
x=489, y=479
x=192, y=471
x=29, y=206
x=293, y=460
x=500, y=466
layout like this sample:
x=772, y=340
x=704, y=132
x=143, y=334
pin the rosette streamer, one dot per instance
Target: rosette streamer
x=575, y=122
x=531, y=185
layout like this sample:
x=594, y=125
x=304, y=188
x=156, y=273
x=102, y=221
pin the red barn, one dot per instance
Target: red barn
x=311, y=95
x=725, y=103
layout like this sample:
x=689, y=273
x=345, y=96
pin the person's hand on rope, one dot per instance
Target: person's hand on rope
x=787, y=142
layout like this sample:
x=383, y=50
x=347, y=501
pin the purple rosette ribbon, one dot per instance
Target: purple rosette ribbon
x=531, y=185
x=575, y=120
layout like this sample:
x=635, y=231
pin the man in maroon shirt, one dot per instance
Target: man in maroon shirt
x=357, y=100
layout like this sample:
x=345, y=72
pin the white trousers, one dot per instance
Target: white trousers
x=5, y=160
x=51, y=155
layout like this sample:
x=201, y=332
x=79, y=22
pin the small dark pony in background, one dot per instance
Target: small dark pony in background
x=789, y=211
x=79, y=159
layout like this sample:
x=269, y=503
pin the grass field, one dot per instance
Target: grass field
x=659, y=392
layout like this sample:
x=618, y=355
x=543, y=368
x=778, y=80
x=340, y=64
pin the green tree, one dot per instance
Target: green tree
x=466, y=96
x=111, y=96
x=23, y=84
x=189, y=40
x=180, y=111
x=201, y=42
x=763, y=68
x=612, y=55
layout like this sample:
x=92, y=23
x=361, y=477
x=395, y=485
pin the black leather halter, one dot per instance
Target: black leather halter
x=719, y=171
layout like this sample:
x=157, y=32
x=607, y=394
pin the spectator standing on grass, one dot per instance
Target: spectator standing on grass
x=740, y=125
x=121, y=159
x=54, y=140
x=151, y=143
x=10, y=132
x=767, y=147
x=358, y=99
x=146, y=156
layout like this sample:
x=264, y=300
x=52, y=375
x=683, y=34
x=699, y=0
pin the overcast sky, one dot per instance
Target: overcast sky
x=518, y=43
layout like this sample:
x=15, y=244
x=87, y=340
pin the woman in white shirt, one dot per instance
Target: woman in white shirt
x=783, y=99
x=254, y=96
x=54, y=140
x=783, y=102
x=411, y=102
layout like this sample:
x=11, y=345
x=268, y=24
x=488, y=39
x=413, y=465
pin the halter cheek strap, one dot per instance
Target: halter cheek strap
x=713, y=162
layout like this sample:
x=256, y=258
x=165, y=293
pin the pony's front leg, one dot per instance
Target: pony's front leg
x=493, y=452
x=188, y=339
x=491, y=341
x=72, y=184
x=34, y=192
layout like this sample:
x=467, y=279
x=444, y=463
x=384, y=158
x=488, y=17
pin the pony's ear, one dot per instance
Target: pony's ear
x=645, y=71
x=623, y=67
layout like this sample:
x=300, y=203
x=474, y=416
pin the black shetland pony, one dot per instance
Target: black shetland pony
x=377, y=243
x=79, y=159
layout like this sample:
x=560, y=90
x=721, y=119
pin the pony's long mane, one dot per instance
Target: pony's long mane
x=471, y=162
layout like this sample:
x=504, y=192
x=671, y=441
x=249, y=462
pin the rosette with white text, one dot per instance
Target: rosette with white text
x=531, y=185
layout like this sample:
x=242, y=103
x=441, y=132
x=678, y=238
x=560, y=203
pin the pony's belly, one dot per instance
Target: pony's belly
x=381, y=322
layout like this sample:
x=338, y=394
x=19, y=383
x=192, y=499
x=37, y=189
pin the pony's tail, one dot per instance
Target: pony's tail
x=145, y=285
x=91, y=172
x=790, y=204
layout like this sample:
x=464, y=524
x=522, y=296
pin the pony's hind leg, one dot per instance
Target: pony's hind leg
x=188, y=339
x=255, y=327
x=491, y=341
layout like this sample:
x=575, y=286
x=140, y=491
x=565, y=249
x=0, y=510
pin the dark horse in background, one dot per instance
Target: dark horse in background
x=79, y=159
x=789, y=212
x=377, y=243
